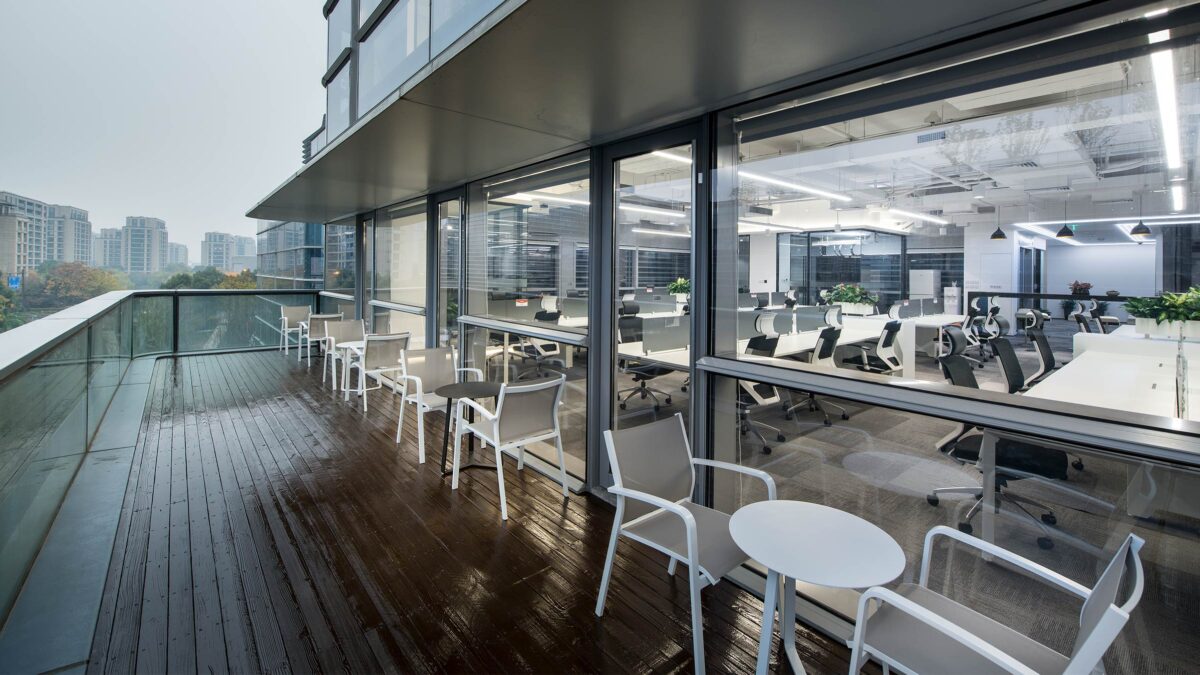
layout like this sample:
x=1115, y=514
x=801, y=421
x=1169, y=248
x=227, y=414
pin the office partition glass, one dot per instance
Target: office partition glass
x=1003, y=229
x=906, y=473
x=395, y=49
x=653, y=214
x=527, y=238
x=514, y=358
x=398, y=251
x=449, y=224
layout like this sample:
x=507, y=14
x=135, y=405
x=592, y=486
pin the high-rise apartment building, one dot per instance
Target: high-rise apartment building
x=106, y=248
x=177, y=254
x=227, y=252
x=144, y=244
x=25, y=233
x=68, y=234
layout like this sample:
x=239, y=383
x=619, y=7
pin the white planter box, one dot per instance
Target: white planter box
x=1191, y=330
x=1146, y=327
x=856, y=309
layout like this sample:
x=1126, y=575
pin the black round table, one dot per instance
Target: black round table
x=473, y=391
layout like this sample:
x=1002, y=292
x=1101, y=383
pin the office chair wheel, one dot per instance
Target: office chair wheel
x=932, y=499
x=668, y=400
x=1078, y=464
x=656, y=407
x=766, y=450
x=622, y=406
x=965, y=528
x=845, y=416
x=789, y=416
x=1045, y=544
x=1049, y=519
x=780, y=438
x=643, y=396
x=828, y=423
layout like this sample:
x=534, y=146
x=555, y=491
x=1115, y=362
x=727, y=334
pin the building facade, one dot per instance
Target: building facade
x=290, y=255
x=68, y=234
x=216, y=250
x=25, y=233
x=144, y=245
x=177, y=254
x=106, y=248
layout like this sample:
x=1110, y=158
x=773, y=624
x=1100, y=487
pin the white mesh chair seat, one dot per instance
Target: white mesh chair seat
x=421, y=373
x=920, y=630
x=380, y=356
x=924, y=649
x=665, y=531
x=654, y=472
x=314, y=333
x=292, y=319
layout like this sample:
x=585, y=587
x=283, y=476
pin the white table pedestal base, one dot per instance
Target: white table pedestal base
x=787, y=623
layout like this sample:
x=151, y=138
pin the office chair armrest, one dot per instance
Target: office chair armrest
x=1023, y=563
x=471, y=371
x=761, y=475
x=478, y=407
x=938, y=623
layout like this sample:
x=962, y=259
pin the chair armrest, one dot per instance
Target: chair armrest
x=761, y=475
x=478, y=407
x=1041, y=571
x=689, y=521
x=938, y=623
x=471, y=371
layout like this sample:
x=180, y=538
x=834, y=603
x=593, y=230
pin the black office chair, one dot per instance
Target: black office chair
x=1041, y=345
x=1015, y=460
x=1085, y=326
x=1107, y=323
x=629, y=329
x=1010, y=365
x=821, y=355
x=755, y=395
x=880, y=357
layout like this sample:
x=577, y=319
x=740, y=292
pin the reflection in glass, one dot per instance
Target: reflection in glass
x=395, y=49
x=513, y=358
x=449, y=255
x=399, y=252
x=337, y=103
x=338, y=30
x=387, y=320
x=885, y=465
x=452, y=18
x=340, y=257
x=654, y=216
x=527, y=242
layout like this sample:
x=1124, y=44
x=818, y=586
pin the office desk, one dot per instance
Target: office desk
x=907, y=340
x=798, y=343
x=675, y=359
x=582, y=321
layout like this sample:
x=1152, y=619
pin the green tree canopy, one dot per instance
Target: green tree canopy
x=73, y=282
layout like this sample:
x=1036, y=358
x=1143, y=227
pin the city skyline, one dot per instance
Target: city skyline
x=131, y=160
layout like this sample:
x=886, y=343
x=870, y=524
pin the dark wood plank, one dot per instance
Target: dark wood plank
x=271, y=526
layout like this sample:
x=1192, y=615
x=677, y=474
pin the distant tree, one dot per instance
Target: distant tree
x=47, y=266
x=207, y=277
x=73, y=282
x=179, y=280
x=244, y=279
x=6, y=306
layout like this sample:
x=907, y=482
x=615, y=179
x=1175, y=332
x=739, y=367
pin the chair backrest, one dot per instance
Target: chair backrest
x=629, y=308
x=822, y=353
x=954, y=365
x=761, y=345
x=434, y=367
x=316, y=323
x=1042, y=346
x=384, y=352
x=1085, y=326
x=528, y=410
x=1009, y=364
x=654, y=458
x=629, y=328
x=1102, y=619
x=886, y=347
x=294, y=314
x=345, y=331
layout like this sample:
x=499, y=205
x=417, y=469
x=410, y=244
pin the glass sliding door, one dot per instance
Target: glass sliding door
x=449, y=227
x=399, y=271
x=653, y=217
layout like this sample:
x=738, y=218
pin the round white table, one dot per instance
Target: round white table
x=815, y=544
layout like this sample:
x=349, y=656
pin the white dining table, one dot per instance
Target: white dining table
x=815, y=544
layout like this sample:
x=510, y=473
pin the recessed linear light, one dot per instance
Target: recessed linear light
x=836, y=196
x=1163, y=65
x=1155, y=13
x=653, y=211
x=1048, y=234
x=533, y=197
x=1149, y=220
x=1177, y=198
x=665, y=233
x=919, y=216
x=672, y=156
x=837, y=242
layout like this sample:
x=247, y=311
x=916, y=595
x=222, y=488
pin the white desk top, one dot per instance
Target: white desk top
x=1134, y=382
x=817, y=544
x=582, y=321
x=675, y=359
x=796, y=343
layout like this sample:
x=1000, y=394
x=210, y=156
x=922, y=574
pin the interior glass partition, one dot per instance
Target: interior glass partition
x=1050, y=186
x=900, y=471
x=653, y=216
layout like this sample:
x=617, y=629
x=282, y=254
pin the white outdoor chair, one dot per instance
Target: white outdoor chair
x=918, y=630
x=291, y=320
x=422, y=372
x=381, y=355
x=336, y=333
x=526, y=413
x=653, y=465
x=314, y=333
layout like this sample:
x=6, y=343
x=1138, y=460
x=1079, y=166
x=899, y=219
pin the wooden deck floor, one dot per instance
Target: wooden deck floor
x=268, y=526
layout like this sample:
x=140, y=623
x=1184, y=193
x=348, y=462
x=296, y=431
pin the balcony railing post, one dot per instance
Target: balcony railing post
x=174, y=323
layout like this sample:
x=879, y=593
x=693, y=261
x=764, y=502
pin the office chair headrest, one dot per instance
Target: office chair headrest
x=629, y=307
x=765, y=324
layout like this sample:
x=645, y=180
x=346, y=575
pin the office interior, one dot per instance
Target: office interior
x=954, y=214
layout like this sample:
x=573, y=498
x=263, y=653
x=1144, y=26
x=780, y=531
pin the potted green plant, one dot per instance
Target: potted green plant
x=853, y=298
x=1080, y=288
x=1068, y=306
x=1145, y=314
x=681, y=288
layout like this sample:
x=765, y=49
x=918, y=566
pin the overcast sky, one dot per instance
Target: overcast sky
x=186, y=111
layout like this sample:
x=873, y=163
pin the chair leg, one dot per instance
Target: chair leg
x=362, y=388
x=672, y=565
x=562, y=466
x=421, y=439
x=400, y=423
x=697, y=618
x=457, y=452
x=500, y=478
x=608, y=559
x=521, y=458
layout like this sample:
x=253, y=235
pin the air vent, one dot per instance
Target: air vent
x=985, y=209
x=931, y=136
x=1048, y=190
x=760, y=211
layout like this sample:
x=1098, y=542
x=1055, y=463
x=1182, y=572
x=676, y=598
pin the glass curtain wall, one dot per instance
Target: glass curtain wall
x=526, y=267
x=341, y=264
x=399, y=271
x=449, y=224
x=653, y=213
x=393, y=51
